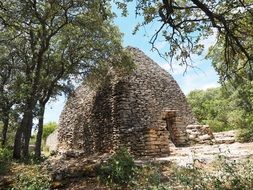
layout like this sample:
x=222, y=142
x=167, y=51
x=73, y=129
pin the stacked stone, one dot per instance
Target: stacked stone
x=226, y=137
x=74, y=126
x=52, y=141
x=125, y=112
x=178, y=133
x=200, y=134
x=157, y=142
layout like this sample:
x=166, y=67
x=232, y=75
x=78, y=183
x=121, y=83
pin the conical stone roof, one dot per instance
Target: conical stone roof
x=125, y=112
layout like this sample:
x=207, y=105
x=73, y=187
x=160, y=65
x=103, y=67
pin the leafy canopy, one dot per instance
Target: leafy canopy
x=48, y=128
x=54, y=42
x=185, y=24
x=223, y=108
x=49, y=46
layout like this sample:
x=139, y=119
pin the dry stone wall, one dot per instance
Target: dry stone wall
x=52, y=141
x=200, y=134
x=125, y=112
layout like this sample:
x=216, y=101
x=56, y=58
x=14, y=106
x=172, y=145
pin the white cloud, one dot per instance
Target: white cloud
x=210, y=85
x=161, y=45
x=195, y=61
x=198, y=80
x=176, y=69
x=200, y=75
x=171, y=67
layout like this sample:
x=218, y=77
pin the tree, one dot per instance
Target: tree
x=218, y=107
x=55, y=42
x=49, y=128
x=237, y=79
x=184, y=24
x=42, y=132
x=7, y=95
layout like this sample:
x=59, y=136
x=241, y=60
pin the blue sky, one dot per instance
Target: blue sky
x=202, y=76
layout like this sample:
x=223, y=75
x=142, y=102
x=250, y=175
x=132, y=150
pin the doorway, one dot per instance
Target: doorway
x=170, y=119
x=176, y=128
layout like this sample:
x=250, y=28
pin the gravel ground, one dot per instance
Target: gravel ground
x=225, y=145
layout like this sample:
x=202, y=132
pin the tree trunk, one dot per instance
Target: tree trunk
x=40, y=131
x=17, y=143
x=27, y=132
x=23, y=134
x=5, y=129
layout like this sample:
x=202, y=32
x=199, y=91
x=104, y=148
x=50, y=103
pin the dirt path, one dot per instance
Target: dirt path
x=225, y=145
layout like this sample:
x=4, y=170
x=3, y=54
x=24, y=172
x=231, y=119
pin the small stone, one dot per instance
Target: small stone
x=205, y=137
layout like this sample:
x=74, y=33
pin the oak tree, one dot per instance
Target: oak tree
x=185, y=23
x=55, y=43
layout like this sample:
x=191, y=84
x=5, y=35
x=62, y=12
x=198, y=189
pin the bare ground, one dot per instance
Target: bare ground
x=224, y=144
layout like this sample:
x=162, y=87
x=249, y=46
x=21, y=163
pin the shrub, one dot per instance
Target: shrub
x=10, y=134
x=5, y=154
x=48, y=129
x=227, y=175
x=245, y=135
x=148, y=177
x=217, y=126
x=119, y=169
x=5, y=158
x=32, y=178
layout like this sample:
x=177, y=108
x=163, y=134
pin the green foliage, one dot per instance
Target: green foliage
x=56, y=43
x=223, y=174
x=5, y=158
x=238, y=70
x=28, y=176
x=246, y=135
x=184, y=25
x=226, y=175
x=210, y=107
x=221, y=108
x=119, y=169
x=10, y=134
x=34, y=160
x=148, y=177
x=32, y=178
x=225, y=108
x=48, y=129
x=5, y=154
x=217, y=126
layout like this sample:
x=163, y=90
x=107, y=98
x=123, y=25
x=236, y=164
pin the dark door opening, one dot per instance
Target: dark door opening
x=170, y=119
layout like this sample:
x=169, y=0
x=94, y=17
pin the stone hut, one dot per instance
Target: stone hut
x=143, y=111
